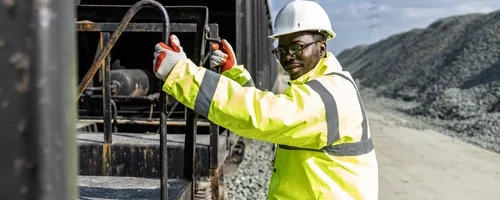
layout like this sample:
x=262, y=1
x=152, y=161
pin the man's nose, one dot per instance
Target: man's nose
x=288, y=56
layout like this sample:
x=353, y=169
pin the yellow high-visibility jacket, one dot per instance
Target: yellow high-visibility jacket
x=324, y=149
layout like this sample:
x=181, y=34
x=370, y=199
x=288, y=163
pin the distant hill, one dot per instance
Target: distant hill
x=451, y=67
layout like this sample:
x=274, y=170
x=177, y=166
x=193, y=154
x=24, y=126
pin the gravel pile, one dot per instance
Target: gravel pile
x=252, y=178
x=450, y=68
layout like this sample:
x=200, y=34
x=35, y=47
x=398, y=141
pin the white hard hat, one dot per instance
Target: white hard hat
x=302, y=15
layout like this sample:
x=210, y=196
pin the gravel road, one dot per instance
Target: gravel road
x=415, y=160
x=252, y=178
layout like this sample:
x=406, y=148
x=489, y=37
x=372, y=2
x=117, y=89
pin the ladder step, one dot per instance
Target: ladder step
x=115, y=187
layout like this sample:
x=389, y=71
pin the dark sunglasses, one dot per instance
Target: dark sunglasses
x=294, y=49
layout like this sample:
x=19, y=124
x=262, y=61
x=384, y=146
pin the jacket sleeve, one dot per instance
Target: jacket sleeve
x=295, y=118
x=239, y=74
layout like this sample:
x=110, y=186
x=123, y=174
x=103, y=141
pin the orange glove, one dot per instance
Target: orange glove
x=225, y=59
x=165, y=57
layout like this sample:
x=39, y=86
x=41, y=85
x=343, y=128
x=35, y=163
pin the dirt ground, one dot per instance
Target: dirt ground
x=419, y=163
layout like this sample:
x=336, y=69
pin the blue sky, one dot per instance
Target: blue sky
x=349, y=17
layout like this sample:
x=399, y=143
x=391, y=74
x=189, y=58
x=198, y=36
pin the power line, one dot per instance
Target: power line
x=373, y=26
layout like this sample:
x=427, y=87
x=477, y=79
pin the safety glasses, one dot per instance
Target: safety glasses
x=294, y=49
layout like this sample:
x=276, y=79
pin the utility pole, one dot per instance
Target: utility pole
x=373, y=26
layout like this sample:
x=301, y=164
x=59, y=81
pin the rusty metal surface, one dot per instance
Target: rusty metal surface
x=106, y=91
x=151, y=97
x=106, y=158
x=146, y=22
x=131, y=82
x=212, y=35
x=138, y=155
x=37, y=59
x=15, y=60
x=88, y=26
x=252, y=47
x=94, y=187
x=152, y=122
x=177, y=14
x=116, y=34
x=104, y=53
x=114, y=13
x=215, y=182
x=190, y=146
x=214, y=145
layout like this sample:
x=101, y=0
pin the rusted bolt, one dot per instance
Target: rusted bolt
x=21, y=62
x=9, y=3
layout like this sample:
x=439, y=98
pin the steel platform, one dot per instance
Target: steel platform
x=138, y=155
x=112, y=187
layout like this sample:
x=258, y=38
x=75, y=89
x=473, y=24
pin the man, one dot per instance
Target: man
x=324, y=149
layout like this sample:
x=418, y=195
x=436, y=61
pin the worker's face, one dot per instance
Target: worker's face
x=304, y=60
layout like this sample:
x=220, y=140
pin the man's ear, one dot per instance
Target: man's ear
x=322, y=49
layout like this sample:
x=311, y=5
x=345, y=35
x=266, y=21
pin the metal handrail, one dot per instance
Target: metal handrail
x=105, y=52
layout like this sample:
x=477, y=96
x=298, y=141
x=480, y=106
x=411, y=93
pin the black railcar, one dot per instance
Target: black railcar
x=121, y=107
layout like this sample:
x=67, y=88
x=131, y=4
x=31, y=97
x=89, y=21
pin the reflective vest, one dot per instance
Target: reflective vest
x=319, y=122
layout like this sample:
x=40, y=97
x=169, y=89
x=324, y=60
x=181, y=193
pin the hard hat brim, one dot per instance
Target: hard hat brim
x=331, y=34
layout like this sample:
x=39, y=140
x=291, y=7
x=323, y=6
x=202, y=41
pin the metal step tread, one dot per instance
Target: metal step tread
x=118, y=187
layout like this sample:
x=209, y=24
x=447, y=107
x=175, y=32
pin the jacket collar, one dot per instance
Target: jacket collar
x=325, y=65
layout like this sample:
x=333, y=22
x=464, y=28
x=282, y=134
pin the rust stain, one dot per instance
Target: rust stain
x=2, y=43
x=86, y=25
x=119, y=168
x=151, y=154
x=22, y=63
x=106, y=158
x=215, y=184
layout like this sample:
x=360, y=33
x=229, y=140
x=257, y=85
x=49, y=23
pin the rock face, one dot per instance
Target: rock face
x=451, y=69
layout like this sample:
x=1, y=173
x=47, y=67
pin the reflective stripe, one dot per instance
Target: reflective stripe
x=206, y=92
x=344, y=149
x=364, y=146
x=332, y=121
x=350, y=149
x=249, y=83
x=364, y=124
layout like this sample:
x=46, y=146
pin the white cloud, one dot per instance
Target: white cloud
x=358, y=10
x=415, y=13
x=434, y=12
x=473, y=7
x=384, y=8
